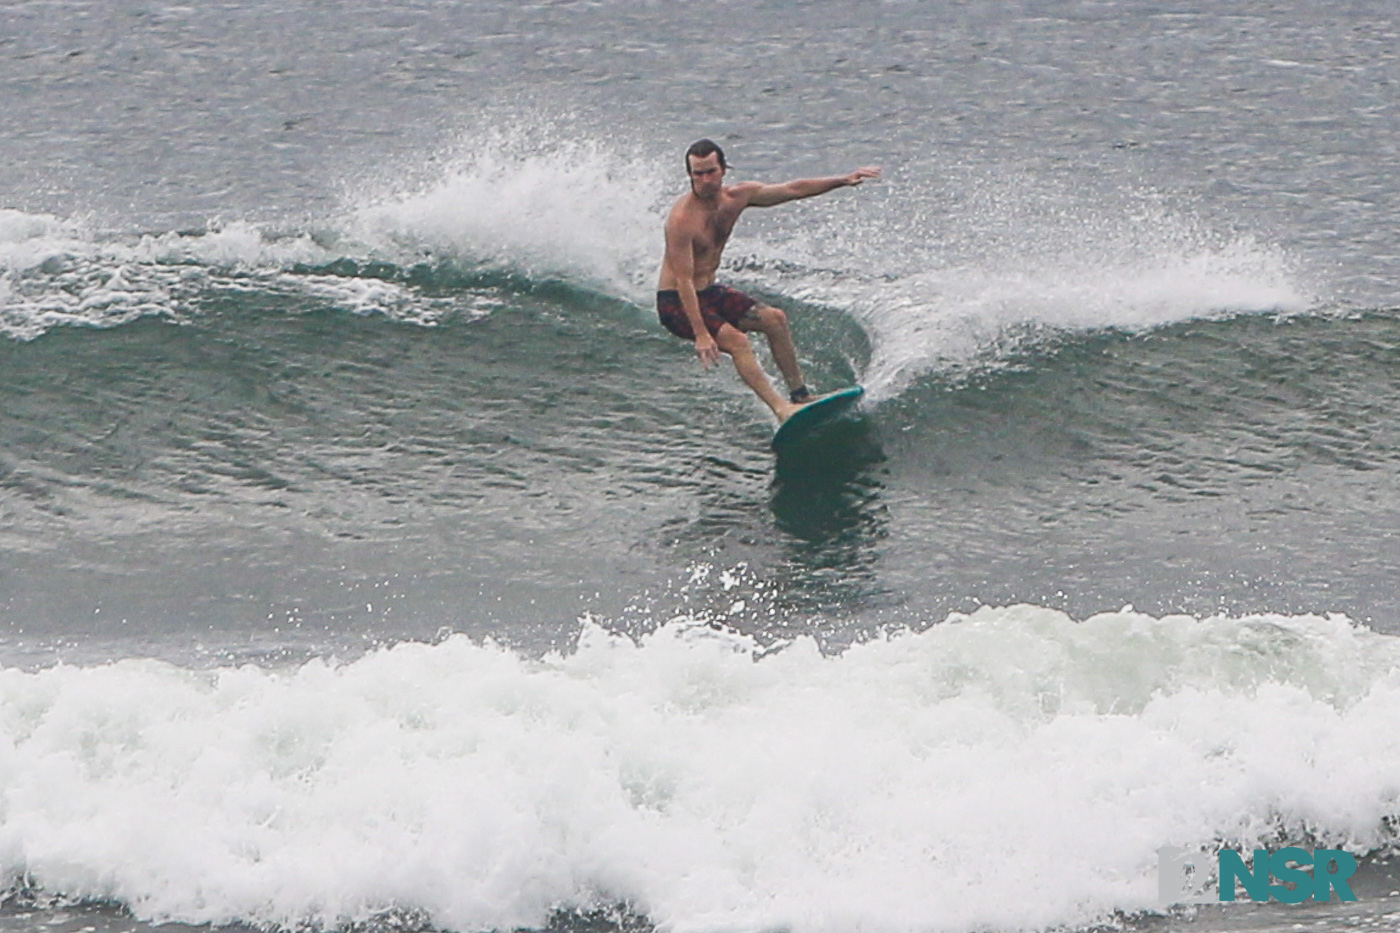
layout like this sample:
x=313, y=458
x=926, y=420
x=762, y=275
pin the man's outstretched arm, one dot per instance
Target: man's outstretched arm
x=768, y=195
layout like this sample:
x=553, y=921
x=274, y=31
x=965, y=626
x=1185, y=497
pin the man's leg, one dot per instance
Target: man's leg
x=734, y=342
x=773, y=324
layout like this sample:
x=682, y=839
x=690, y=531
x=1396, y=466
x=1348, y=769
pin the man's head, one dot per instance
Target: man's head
x=704, y=163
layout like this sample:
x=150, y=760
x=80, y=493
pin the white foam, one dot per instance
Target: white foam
x=20, y=233
x=237, y=245
x=29, y=241
x=1008, y=770
x=56, y=272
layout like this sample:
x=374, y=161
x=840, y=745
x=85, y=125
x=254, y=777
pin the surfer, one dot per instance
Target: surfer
x=718, y=318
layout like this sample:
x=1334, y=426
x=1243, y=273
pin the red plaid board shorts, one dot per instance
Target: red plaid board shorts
x=719, y=304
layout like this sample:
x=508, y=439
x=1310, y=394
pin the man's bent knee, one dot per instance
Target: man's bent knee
x=765, y=318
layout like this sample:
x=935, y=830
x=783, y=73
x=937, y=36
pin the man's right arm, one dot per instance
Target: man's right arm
x=680, y=259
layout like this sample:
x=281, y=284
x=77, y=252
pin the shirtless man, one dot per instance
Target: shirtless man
x=718, y=318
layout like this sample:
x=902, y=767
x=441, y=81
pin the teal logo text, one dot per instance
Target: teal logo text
x=1279, y=875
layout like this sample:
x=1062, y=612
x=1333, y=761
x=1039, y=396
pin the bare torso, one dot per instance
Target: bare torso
x=707, y=227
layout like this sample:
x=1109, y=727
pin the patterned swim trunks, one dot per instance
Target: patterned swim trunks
x=719, y=304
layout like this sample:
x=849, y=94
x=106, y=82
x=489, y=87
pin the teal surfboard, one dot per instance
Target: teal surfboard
x=810, y=418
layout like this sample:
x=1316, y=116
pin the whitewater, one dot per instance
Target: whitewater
x=1012, y=768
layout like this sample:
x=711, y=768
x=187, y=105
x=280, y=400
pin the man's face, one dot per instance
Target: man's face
x=706, y=175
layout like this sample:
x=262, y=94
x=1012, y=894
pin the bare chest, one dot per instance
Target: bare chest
x=714, y=229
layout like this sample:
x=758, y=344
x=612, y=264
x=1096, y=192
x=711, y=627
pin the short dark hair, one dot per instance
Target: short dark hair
x=701, y=148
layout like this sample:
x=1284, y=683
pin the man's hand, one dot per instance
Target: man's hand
x=861, y=174
x=706, y=349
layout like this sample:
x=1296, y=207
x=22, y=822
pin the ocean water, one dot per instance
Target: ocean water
x=371, y=560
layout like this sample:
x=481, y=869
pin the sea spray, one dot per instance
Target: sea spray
x=944, y=274
x=538, y=205
x=936, y=275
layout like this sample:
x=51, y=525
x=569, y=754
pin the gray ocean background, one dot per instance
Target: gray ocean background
x=371, y=559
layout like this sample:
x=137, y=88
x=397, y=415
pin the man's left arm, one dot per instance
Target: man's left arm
x=769, y=195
